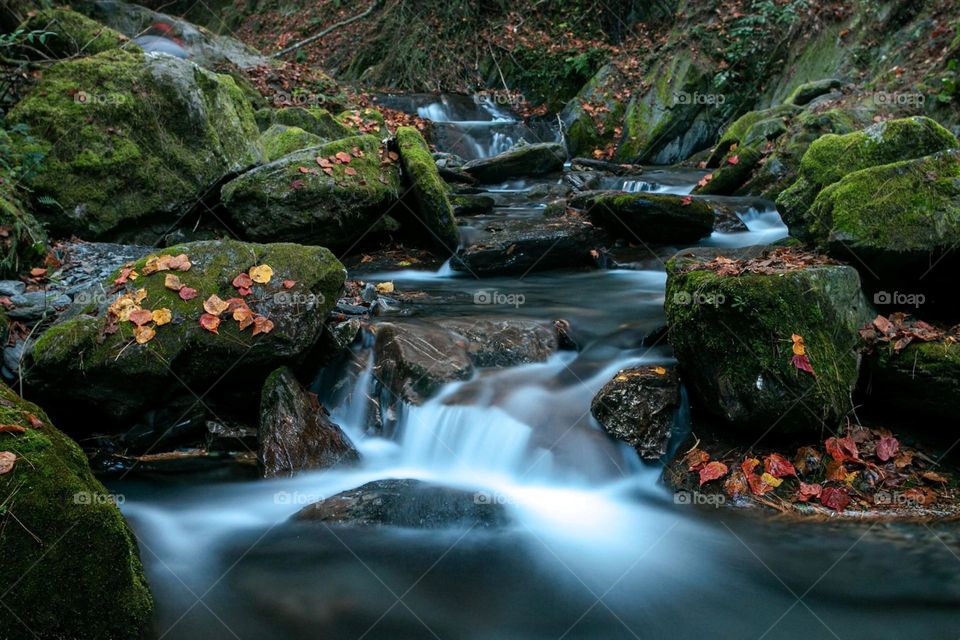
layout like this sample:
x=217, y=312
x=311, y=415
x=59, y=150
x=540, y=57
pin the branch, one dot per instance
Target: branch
x=314, y=38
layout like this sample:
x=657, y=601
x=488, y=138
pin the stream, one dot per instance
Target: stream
x=597, y=546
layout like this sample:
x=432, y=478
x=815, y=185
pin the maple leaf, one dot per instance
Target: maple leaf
x=778, y=466
x=144, y=334
x=214, y=305
x=835, y=498
x=7, y=460
x=187, y=293
x=887, y=447
x=712, y=471
x=210, y=322
x=261, y=273
x=162, y=316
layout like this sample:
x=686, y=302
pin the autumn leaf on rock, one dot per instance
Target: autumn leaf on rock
x=12, y=428
x=262, y=325
x=733, y=160
x=144, y=334
x=162, y=316
x=261, y=273
x=180, y=262
x=7, y=461
x=748, y=465
x=835, y=498
x=288, y=284
x=841, y=449
x=187, y=293
x=139, y=295
x=210, y=322
x=34, y=421
x=712, y=471
x=140, y=317
x=800, y=359
x=835, y=471
x=696, y=458
x=778, y=466
x=808, y=491
x=172, y=282
x=242, y=281
x=244, y=316
x=384, y=287
x=344, y=157
x=126, y=273
x=686, y=200
x=214, y=305
x=350, y=171
x=235, y=303
x=887, y=447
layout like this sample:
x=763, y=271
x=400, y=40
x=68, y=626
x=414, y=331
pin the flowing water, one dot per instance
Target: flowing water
x=596, y=548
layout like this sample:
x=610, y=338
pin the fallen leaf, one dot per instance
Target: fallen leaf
x=262, y=325
x=696, y=458
x=180, y=262
x=803, y=363
x=712, y=471
x=34, y=421
x=187, y=293
x=210, y=322
x=261, y=273
x=887, y=447
x=140, y=317
x=686, y=200
x=350, y=171
x=139, y=295
x=242, y=281
x=933, y=476
x=288, y=284
x=344, y=157
x=162, y=316
x=12, y=428
x=660, y=371
x=384, y=287
x=733, y=160
x=7, y=460
x=808, y=491
x=835, y=498
x=172, y=282
x=841, y=449
x=778, y=466
x=144, y=334
x=736, y=484
x=38, y=272
x=835, y=471
x=214, y=305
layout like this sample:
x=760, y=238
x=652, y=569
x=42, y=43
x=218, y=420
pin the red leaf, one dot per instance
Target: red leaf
x=834, y=498
x=841, y=449
x=288, y=284
x=296, y=184
x=140, y=317
x=808, y=491
x=695, y=459
x=210, y=322
x=712, y=471
x=803, y=363
x=243, y=281
x=888, y=447
x=778, y=466
x=186, y=293
x=733, y=160
x=686, y=200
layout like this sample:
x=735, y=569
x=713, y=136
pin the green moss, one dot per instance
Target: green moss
x=279, y=140
x=732, y=336
x=315, y=120
x=922, y=381
x=366, y=120
x=730, y=177
x=26, y=244
x=737, y=131
x=72, y=34
x=808, y=91
x=128, y=137
x=429, y=191
x=71, y=564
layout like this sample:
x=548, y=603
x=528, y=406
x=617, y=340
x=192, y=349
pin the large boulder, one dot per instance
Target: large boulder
x=295, y=199
x=897, y=220
x=637, y=406
x=280, y=140
x=407, y=503
x=831, y=157
x=129, y=137
x=92, y=359
x=523, y=160
x=428, y=191
x=296, y=433
x=315, y=120
x=71, y=567
x=732, y=322
x=69, y=34
x=922, y=381
x=648, y=217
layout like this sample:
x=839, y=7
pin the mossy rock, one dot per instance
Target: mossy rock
x=922, y=381
x=315, y=120
x=428, y=191
x=732, y=338
x=279, y=140
x=809, y=91
x=130, y=138
x=651, y=217
x=831, y=157
x=71, y=567
x=522, y=160
x=730, y=177
x=75, y=361
x=280, y=202
x=582, y=130
x=70, y=34
x=366, y=120
x=736, y=132
x=895, y=218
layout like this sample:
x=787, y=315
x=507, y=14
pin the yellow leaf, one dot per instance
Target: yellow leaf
x=799, y=348
x=144, y=334
x=385, y=287
x=162, y=316
x=214, y=305
x=773, y=481
x=261, y=273
x=140, y=296
x=660, y=371
x=172, y=282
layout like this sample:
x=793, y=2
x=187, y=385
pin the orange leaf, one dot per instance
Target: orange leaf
x=712, y=471
x=7, y=460
x=262, y=325
x=144, y=334
x=214, y=305
x=210, y=322
x=140, y=317
x=288, y=284
x=12, y=428
x=733, y=160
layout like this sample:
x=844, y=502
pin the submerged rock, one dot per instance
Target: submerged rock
x=407, y=503
x=637, y=406
x=831, y=157
x=71, y=567
x=505, y=343
x=296, y=433
x=130, y=138
x=732, y=336
x=434, y=215
x=521, y=161
x=647, y=217
x=88, y=361
x=279, y=202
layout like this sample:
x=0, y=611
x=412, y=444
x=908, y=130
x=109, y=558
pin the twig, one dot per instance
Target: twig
x=314, y=38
